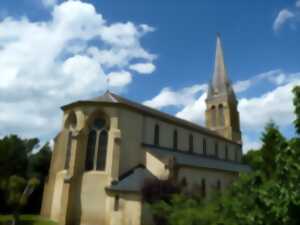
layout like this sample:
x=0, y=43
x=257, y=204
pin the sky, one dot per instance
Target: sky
x=159, y=53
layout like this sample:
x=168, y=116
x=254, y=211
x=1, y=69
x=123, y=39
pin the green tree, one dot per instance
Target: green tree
x=273, y=142
x=296, y=92
x=17, y=191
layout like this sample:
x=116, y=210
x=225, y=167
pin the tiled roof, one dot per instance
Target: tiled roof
x=194, y=160
x=133, y=182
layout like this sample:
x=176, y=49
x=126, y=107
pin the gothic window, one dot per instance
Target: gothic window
x=175, y=140
x=221, y=115
x=102, y=150
x=213, y=116
x=90, y=153
x=226, y=152
x=68, y=151
x=203, y=188
x=216, y=149
x=156, y=135
x=70, y=125
x=191, y=143
x=97, y=146
x=204, y=147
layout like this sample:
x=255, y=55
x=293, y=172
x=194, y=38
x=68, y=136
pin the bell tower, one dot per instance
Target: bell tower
x=221, y=113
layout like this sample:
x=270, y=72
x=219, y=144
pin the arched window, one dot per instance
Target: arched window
x=213, y=116
x=221, y=116
x=97, y=145
x=156, y=135
x=175, y=140
x=70, y=124
x=216, y=150
x=226, y=152
x=203, y=188
x=102, y=150
x=204, y=147
x=90, y=151
x=68, y=151
x=191, y=143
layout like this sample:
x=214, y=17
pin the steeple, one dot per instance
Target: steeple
x=221, y=113
x=220, y=85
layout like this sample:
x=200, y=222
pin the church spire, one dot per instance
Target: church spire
x=220, y=79
x=221, y=114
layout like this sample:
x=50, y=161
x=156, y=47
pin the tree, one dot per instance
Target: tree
x=21, y=159
x=17, y=191
x=269, y=195
x=273, y=142
x=296, y=92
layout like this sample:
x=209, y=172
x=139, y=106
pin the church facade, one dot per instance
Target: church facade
x=109, y=147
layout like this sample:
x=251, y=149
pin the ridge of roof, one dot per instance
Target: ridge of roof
x=109, y=97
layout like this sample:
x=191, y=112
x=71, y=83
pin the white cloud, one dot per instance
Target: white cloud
x=283, y=17
x=46, y=64
x=276, y=105
x=255, y=112
x=143, y=68
x=119, y=79
x=167, y=97
x=298, y=3
x=195, y=111
x=49, y=3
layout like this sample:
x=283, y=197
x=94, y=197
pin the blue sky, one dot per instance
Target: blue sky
x=160, y=53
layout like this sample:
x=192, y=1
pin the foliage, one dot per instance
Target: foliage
x=27, y=220
x=273, y=142
x=296, y=92
x=21, y=166
x=269, y=195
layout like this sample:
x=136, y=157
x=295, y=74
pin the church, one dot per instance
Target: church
x=109, y=146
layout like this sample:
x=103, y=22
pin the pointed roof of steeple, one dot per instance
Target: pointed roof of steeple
x=220, y=83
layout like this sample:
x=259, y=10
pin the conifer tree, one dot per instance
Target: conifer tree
x=273, y=141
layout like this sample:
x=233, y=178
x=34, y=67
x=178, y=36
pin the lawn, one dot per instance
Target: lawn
x=27, y=220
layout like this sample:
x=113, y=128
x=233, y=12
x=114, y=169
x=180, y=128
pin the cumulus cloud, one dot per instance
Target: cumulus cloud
x=168, y=97
x=282, y=18
x=255, y=112
x=143, y=68
x=45, y=64
x=119, y=79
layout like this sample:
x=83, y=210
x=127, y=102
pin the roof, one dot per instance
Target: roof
x=194, y=160
x=220, y=84
x=133, y=182
x=111, y=98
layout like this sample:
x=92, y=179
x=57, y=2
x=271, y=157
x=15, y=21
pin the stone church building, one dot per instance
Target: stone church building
x=109, y=146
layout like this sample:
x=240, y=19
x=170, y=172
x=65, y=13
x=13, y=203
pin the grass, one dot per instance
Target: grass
x=27, y=220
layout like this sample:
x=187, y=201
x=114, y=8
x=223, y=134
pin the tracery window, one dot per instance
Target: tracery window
x=97, y=145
